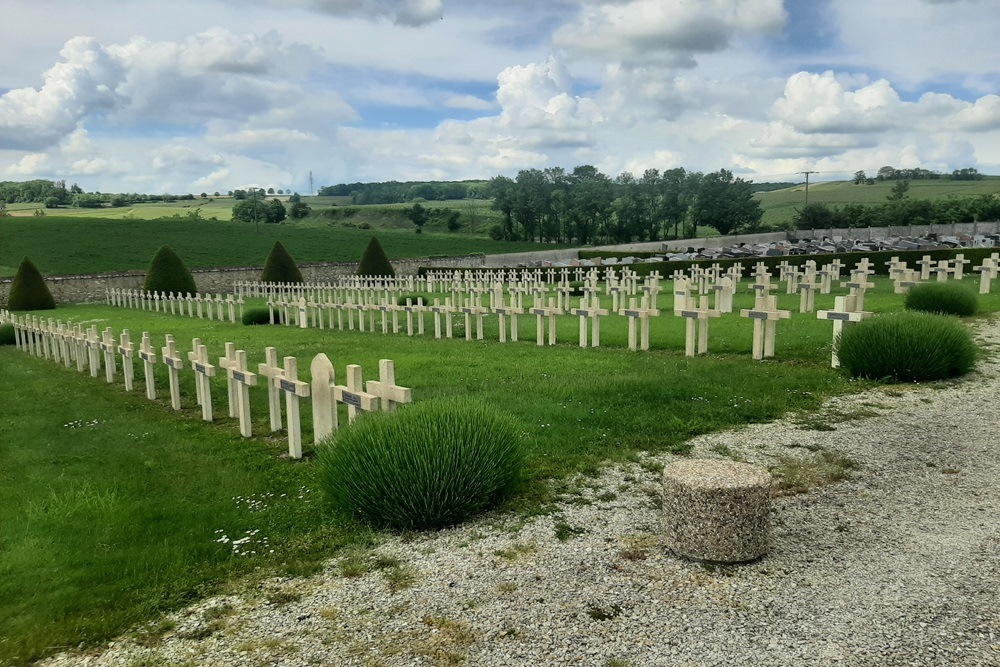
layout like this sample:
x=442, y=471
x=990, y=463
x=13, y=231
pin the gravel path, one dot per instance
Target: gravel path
x=898, y=565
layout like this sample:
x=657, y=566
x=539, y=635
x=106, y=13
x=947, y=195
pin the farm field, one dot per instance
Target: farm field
x=780, y=205
x=115, y=506
x=72, y=246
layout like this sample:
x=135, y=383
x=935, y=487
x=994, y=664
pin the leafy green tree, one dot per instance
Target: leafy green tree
x=280, y=267
x=417, y=214
x=501, y=189
x=860, y=178
x=899, y=190
x=815, y=216
x=28, y=290
x=167, y=273
x=726, y=203
x=276, y=211
x=299, y=210
x=374, y=262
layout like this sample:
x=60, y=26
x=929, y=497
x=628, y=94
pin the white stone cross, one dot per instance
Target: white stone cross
x=294, y=390
x=148, y=355
x=270, y=370
x=172, y=359
x=227, y=363
x=192, y=356
x=765, y=316
x=472, y=308
x=353, y=395
x=203, y=372
x=386, y=389
x=243, y=379
x=642, y=313
x=593, y=312
x=841, y=316
x=126, y=351
x=857, y=286
x=925, y=267
x=958, y=266
x=807, y=292
x=724, y=290
x=696, y=327
x=943, y=269
x=904, y=279
x=541, y=312
x=93, y=350
x=109, y=348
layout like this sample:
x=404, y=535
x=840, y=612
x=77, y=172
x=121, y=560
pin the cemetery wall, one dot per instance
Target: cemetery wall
x=91, y=288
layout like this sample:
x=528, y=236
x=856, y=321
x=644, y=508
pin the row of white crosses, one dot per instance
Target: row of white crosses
x=212, y=307
x=67, y=343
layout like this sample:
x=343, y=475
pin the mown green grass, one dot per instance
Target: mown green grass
x=780, y=205
x=111, y=523
x=95, y=245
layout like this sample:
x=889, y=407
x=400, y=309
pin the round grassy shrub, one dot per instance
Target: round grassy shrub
x=28, y=290
x=907, y=347
x=374, y=262
x=401, y=299
x=280, y=267
x=7, y=334
x=429, y=465
x=253, y=316
x=951, y=298
x=167, y=273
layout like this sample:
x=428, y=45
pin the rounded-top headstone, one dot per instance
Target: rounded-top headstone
x=718, y=511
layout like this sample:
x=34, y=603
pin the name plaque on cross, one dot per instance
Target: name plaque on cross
x=351, y=399
x=199, y=367
x=149, y=357
x=285, y=385
x=538, y=311
x=177, y=364
x=757, y=316
x=631, y=313
x=582, y=313
x=693, y=313
x=838, y=316
x=239, y=377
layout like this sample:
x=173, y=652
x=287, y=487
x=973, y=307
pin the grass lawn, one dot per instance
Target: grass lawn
x=93, y=245
x=113, y=506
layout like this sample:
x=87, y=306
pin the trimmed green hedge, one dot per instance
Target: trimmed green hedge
x=374, y=262
x=167, y=273
x=7, y=336
x=254, y=316
x=429, y=465
x=280, y=267
x=28, y=290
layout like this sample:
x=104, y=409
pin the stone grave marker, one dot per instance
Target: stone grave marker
x=126, y=351
x=841, y=315
x=294, y=390
x=386, y=389
x=640, y=314
x=148, y=355
x=109, y=348
x=540, y=311
x=174, y=363
x=696, y=327
x=204, y=371
x=93, y=350
x=353, y=395
x=765, y=316
x=243, y=380
x=270, y=370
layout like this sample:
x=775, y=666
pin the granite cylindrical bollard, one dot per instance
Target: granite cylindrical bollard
x=718, y=511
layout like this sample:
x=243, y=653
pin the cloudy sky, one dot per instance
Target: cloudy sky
x=191, y=96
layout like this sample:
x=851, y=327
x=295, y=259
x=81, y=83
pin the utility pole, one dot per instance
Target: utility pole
x=807, y=182
x=256, y=227
x=310, y=183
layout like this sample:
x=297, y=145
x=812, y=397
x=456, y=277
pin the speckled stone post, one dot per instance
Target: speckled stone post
x=717, y=511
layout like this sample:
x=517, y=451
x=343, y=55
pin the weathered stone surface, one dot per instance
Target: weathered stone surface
x=716, y=510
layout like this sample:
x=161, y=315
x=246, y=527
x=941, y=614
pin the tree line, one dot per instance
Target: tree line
x=586, y=206
x=899, y=212
x=890, y=173
x=395, y=192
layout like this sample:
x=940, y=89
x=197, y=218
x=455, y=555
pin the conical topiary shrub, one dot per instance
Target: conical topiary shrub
x=167, y=273
x=374, y=262
x=28, y=291
x=280, y=267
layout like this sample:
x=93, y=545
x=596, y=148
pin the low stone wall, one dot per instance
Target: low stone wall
x=91, y=288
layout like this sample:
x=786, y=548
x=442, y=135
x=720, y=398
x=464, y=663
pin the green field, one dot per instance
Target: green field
x=780, y=205
x=71, y=246
x=114, y=505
